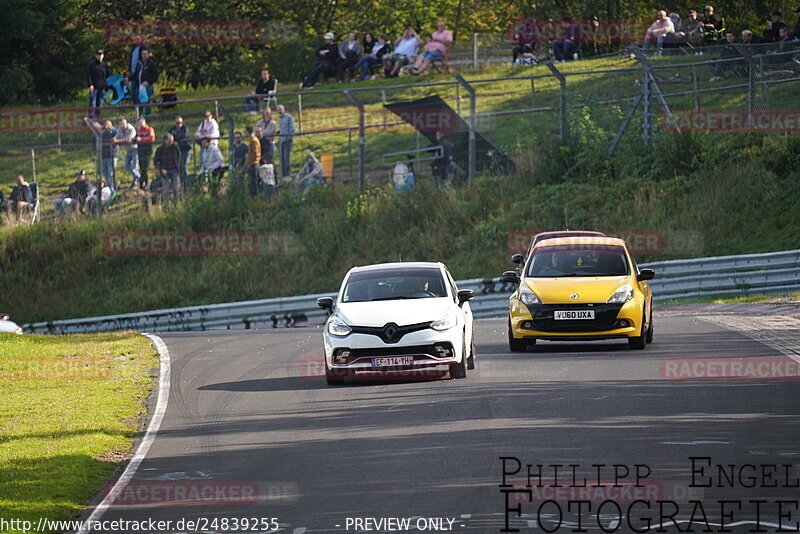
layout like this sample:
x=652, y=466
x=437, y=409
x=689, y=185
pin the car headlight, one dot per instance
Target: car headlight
x=622, y=295
x=528, y=297
x=446, y=321
x=337, y=327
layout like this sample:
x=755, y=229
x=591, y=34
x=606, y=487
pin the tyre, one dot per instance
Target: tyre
x=334, y=377
x=518, y=345
x=459, y=370
x=471, y=360
x=649, y=336
x=638, y=342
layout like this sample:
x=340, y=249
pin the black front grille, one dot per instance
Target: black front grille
x=605, y=317
x=390, y=332
x=420, y=352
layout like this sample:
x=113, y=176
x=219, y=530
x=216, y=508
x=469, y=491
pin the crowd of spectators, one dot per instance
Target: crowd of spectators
x=356, y=59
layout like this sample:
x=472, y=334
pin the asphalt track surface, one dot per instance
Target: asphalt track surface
x=250, y=411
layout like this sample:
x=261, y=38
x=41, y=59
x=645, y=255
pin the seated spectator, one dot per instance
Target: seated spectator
x=796, y=32
x=403, y=176
x=748, y=38
x=437, y=48
x=373, y=57
x=779, y=53
x=310, y=174
x=711, y=24
x=565, y=45
x=106, y=194
x=239, y=152
x=268, y=127
x=690, y=31
x=76, y=195
x=719, y=68
x=658, y=31
x=405, y=51
x=20, y=198
x=773, y=31
x=265, y=85
x=349, y=52
x=518, y=43
x=527, y=57
x=327, y=55
x=266, y=172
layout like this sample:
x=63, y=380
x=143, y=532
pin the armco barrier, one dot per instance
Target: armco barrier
x=749, y=274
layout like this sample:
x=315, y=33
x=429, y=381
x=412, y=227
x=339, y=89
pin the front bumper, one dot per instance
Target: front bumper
x=427, y=347
x=612, y=321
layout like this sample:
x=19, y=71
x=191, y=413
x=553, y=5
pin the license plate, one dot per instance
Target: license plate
x=561, y=315
x=393, y=361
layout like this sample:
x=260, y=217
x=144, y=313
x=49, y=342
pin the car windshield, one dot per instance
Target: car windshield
x=394, y=284
x=578, y=260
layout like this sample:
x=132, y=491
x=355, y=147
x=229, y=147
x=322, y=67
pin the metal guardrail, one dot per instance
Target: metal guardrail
x=749, y=274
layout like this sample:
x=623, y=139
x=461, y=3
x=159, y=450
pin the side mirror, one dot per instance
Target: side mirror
x=646, y=274
x=518, y=259
x=326, y=303
x=464, y=295
x=510, y=277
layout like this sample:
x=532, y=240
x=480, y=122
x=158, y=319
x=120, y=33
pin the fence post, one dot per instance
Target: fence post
x=562, y=101
x=350, y=153
x=475, y=51
x=362, y=141
x=458, y=98
x=300, y=112
x=694, y=88
x=533, y=92
x=383, y=101
x=33, y=164
x=231, y=127
x=58, y=129
x=647, y=93
x=472, y=105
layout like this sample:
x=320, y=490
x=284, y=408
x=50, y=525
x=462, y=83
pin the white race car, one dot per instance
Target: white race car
x=398, y=317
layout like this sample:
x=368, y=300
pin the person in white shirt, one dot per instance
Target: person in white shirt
x=212, y=165
x=207, y=129
x=657, y=31
x=405, y=51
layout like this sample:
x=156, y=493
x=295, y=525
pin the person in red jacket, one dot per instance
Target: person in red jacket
x=146, y=137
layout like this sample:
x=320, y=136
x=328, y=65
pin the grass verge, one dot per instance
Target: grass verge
x=70, y=408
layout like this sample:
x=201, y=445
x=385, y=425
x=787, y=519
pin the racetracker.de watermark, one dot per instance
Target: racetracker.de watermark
x=638, y=241
x=732, y=121
x=758, y=368
x=199, y=243
x=195, y=32
x=69, y=368
x=597, y=31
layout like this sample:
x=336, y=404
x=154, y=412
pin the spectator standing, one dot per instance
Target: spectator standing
x=76, y=195
x=146, y=77
x=252, y=162
x=796, y=31
x=436, y=49
x=773, y=32
x=109, y=153
x=134, y=58
x=312, y=173
x=405, y=51
x=21, y=196
x=373, y=56
x=266, y=173
x=268, y=127
x=208, y=128
x=126, y=136
x=564, y=47
x=285, y=141
x=146, y=136
x=239, y=152
x=213, y=165
x=691, y=30
x=96, y=77
x=167, y=161
x=658, y=31
x=180, y=134
x=349, y=52
x=327, y=55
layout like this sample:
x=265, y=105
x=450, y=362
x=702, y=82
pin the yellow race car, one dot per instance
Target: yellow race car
x=580, y=289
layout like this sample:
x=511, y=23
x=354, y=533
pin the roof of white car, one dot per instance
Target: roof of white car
x=398, y=264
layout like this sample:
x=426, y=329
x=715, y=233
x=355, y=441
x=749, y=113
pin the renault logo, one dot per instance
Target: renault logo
x=574, y=296
x=390, y=331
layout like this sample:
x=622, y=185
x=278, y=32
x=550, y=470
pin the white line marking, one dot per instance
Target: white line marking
x=149, y=436
x=699, y=442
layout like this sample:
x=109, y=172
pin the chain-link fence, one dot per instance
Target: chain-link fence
x=480, y=124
